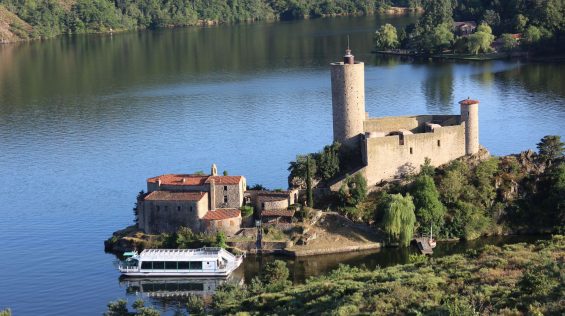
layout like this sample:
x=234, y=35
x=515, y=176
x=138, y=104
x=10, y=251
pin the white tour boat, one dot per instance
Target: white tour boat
x=207, y=261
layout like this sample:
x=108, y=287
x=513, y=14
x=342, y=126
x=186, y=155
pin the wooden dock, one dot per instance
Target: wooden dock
x=424, y=245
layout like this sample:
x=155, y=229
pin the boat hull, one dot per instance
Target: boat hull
x=194, y=273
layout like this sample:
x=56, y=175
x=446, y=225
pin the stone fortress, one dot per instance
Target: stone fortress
x=389, y=147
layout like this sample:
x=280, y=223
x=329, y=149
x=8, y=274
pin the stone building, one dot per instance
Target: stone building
x=204, y=203
x=390, y=147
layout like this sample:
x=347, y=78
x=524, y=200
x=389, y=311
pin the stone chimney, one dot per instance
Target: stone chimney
x=212, y=194
x=214, y=171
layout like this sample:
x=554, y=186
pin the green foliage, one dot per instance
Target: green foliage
x=509, y=43
x=386, y=37
x=138, y=200
x=452, y=285
x=429, y=209
x=353, y=191
x=6, y=312
x=185, y=238
x=225, y=173
x=327, y=162
x=480, y=41
x=258, y=186
x=551, y=148
x=220, y=240
x=194, y=304
x=399, y=218
x=119, y=308
x=246, y=211
x=274, y=276
x=427, y=169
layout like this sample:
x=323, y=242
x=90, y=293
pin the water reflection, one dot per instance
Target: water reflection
x=304, y=267
x=438, y=88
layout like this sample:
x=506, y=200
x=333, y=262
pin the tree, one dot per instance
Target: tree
x=532, y=35
x=436, y=12
x=386, y=37
x=272, y=278
x=327, y=161
x=491, y=17
x=298, y=167
x=399, y=218
x=520, y=22
x=429, y=209
x=509, y=42
x=258, y=187
x=220, y=240
x=309, y=190
x=442, y=37
x=353, y=191
x=117, y=308
x=550, y=148
x=138, y=201
x=481, y=40
x=225, y=173
x=427, y=169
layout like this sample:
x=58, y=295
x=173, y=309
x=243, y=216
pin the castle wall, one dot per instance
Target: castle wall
x=387, y=159
x=412, y=123
x=348, y=102
x=157, y=217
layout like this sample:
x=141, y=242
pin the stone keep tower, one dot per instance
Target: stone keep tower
x=470, y=115
x=348, y=100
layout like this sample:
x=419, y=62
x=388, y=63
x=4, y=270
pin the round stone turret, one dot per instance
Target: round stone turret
x=348, y=100
x=470, y=115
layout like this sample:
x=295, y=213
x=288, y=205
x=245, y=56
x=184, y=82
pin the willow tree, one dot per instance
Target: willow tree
x=399, y=218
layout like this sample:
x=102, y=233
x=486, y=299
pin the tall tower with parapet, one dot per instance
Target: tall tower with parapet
x=470, y=115
x=348, y=100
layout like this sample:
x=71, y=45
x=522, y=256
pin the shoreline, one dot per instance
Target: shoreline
x=392, y=11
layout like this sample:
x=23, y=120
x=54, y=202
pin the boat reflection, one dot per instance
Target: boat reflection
x=177, y=287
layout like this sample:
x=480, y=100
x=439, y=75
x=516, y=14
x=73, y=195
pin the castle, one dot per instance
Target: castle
x=390, y=147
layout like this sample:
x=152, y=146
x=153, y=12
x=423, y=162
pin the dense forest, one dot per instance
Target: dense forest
x=29, y=19
x=534, y=25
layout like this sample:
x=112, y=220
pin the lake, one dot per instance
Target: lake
x=84, y=120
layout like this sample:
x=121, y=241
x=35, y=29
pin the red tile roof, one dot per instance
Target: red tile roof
x=180, y=179
x=469, y=102
x=222, y=213
x=194, y=179
x=224, y=179
x=281, y=213
x=174, y=196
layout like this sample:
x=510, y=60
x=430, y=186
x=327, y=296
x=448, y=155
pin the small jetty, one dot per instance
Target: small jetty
x=423, y=244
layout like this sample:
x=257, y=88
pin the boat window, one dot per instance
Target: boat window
x=146, y=265
x=170, y=265
x=184, y=265
x=196, y=265
x=158, y=265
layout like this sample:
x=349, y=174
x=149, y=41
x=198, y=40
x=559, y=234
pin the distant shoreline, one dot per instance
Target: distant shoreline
x=391, y=11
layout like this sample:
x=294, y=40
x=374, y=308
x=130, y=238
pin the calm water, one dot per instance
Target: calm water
x=85, y=120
